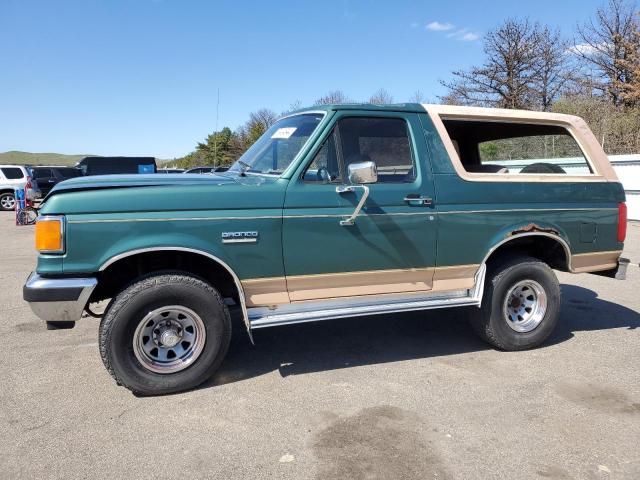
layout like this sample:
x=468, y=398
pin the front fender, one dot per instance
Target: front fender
x=91, y=244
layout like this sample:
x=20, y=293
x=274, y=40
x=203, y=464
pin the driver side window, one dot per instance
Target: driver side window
x=325, y=167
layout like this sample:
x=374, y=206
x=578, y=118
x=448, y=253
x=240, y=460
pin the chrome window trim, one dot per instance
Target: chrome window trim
x=222, y=263
x=63, y=232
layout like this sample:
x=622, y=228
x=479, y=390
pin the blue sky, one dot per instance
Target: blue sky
x=139, y=77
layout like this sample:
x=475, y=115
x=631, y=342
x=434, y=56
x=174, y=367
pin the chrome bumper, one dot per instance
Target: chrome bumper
x=58, y=299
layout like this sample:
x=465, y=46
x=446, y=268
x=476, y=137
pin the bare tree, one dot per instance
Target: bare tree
x=418, y=97
x=296, y=105
x=335, y=96
x=607, y=44
x=552, y=69
x=258, y=123
x=509, y=72
x=381, y=97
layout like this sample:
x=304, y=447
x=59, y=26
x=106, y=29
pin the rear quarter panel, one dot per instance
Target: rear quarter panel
x=475, y=216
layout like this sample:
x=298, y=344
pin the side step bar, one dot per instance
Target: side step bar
x=262, y=317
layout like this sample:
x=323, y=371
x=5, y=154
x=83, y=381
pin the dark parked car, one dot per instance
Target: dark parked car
x=48, y=177
x=117, y=165
x=171, y=170
x=207, y=169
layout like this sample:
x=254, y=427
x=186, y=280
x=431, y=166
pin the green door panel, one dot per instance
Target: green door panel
x=388, y=233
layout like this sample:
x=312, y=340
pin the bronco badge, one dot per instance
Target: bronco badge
x=239, y=237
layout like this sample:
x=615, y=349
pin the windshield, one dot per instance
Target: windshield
x=278, y=146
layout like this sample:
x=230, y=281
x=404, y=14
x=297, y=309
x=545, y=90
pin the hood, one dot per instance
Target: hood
x=116, y=194
x=134, y=180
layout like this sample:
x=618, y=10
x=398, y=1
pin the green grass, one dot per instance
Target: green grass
x=28, y=158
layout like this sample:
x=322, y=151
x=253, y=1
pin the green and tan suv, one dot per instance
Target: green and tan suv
x=336, y=211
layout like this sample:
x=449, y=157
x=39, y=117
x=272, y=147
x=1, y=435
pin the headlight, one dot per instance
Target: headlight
x=50, y=234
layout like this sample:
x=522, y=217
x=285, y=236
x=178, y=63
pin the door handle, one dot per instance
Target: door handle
x=416, y=199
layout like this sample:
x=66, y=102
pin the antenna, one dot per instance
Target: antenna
x=215, y=133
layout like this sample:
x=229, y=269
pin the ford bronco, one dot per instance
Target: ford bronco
x=336, y=211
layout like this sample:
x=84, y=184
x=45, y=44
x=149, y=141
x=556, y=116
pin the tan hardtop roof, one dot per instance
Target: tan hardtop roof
x=575, y=125
x=473, y=112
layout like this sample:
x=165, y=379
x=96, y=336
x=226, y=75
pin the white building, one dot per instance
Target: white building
x=628, y=169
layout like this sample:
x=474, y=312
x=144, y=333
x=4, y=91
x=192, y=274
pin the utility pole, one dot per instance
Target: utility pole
x=215, y=133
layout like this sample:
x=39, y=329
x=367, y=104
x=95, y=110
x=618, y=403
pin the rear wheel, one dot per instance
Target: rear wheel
x=164, y=334
x=521, y=304
x=7, y=201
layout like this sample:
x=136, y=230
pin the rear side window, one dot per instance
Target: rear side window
x=12, y=173
x=501, y=148
x=42, y=173
x=384, y=141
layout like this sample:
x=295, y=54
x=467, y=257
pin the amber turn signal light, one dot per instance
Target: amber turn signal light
x=50, y=234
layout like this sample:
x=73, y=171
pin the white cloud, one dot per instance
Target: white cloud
x=458, y=33
x=450, y=31
x=439, y=27
x=469, y=37
x=464, y=35
x=584, y=49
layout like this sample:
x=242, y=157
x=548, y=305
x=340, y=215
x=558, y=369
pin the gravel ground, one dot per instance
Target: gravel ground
x=412, y=396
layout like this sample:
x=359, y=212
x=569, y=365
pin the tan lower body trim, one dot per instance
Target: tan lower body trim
x=350, y=284
x=273, y=291
x=265, y=291
x=458, y=277
x=595, y=261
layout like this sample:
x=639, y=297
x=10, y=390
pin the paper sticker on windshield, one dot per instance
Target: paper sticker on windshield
x=285, y=132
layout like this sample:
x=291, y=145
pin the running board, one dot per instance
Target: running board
x=313, y=311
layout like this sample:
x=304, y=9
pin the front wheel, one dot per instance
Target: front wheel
x=164, y=334
x=7, y=201
x=521, y=304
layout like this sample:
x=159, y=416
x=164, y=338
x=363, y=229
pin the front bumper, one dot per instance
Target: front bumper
x=58, y=299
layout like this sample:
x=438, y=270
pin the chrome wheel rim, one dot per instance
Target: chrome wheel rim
x=7, y=202
x=525, y=306
x=169, y=339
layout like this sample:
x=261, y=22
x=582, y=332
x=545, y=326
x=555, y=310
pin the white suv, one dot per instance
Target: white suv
x=13, y=177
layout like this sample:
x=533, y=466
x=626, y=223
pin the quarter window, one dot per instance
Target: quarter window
x=513, y=148
x=384, y=141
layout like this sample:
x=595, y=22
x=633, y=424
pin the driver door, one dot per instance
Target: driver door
x=390, y=247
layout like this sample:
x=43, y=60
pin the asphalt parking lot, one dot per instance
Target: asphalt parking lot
x=412, y=396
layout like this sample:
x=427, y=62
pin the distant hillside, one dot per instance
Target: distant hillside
x=28, y=158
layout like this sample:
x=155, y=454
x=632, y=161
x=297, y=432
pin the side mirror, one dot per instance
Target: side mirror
x=362, y=173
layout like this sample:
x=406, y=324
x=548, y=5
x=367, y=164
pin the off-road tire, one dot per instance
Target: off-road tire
x=126, y=311
x=490, y=321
